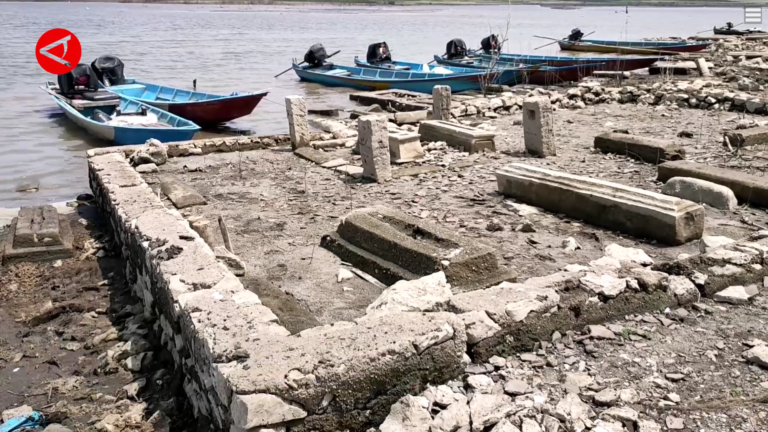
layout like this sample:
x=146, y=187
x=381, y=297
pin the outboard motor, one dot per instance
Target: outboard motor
x=316, y=55
x=576, y=35
x=378, y=53
x=490, y=44
x=80, y=80
x=109, y=70
x=455, y=49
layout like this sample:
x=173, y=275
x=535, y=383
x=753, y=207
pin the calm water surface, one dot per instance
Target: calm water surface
x=241, y=48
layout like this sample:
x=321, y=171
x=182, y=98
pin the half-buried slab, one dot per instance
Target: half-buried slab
x=392, y=246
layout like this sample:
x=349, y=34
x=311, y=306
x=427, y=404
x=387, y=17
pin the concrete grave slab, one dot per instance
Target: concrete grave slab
x=466, y=138
x=748, y=188
x=634, y=211
x=391, y=246
x=646, y=149
x=38, y=234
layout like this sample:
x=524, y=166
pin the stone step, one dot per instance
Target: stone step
x=466, y=138
x=626, y=209
x=748, y=188
x=646, y=149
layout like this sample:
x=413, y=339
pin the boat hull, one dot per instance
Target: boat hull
x=544, y=75
x=735, y=32
x=212, y=112
x=199, y=107
x=457, y=82
x=615, y=64
x=588, y=47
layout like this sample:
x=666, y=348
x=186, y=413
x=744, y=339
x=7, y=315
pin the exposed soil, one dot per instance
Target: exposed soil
x=51, y=359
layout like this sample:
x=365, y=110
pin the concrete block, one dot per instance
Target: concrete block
x=466, y=138
x=38, y=234
x=748, y=188
x=538, y=127
x=405, y=147
x=646, y=149
x=746, y=137
x=203, y=228
x=296, y=109
x=630, y=210
x=391, y=246
x=373, y=141
x=180, y=194
x=441, y=103
x=702, y=192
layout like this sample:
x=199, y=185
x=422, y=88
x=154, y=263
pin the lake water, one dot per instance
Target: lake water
x=241, y=48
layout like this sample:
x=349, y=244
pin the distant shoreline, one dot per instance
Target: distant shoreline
x=555, y=4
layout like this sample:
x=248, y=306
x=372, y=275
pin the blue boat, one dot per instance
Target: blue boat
x=136, y=123
x=538, y=75
x=619, y=64
x=199, y=107
x=505, y=75
x=382, y=79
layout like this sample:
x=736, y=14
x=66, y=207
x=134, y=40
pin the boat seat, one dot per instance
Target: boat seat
x=338, y=72
x=99, y=96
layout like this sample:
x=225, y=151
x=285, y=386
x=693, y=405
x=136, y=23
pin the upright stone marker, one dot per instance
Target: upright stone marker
x=441, y=103
x=297, y=121
x=373, y=138
x=538, y=127
x=701, y=65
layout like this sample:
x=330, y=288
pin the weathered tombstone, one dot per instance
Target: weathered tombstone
x=373, y=140
x=538, y=127
x=298, y=126
x=37, y=234
x=441, y=103
x=463, y=137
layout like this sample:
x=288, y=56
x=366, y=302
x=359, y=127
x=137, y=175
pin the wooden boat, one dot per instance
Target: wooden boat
x=508, y=76
x=201, y=108
x=638, y=47
x=542, y=75
x=135, y=123
x=736, y=32
x=384, y=79
x=619, y=64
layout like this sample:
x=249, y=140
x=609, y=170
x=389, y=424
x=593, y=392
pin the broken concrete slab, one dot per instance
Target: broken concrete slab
x=701, y=191
x=746, y=137
x=650, y=150
x=313, y=155
x=748, y=188
x=426, y=294
x=737, y=294
x=506, y=302
x=38, y=234
x=630, y=210
x=466, y=138
x=405, y=146
x=411, y=117
x=180, y=194
x=391, y=246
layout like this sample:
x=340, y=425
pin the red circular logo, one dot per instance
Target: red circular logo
x=58, y=51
